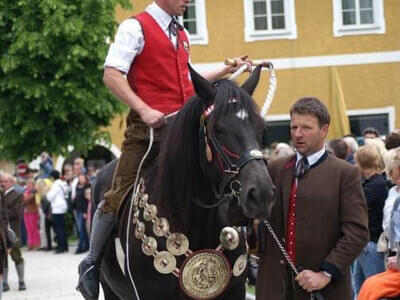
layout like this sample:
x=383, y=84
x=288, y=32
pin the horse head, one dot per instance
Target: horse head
x=230, y=139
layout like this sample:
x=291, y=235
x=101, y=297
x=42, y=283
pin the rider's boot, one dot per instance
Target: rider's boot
x=88, y=285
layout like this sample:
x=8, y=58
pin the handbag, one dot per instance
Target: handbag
x=383, y=243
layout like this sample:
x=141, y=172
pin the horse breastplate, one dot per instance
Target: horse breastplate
x=204, y=274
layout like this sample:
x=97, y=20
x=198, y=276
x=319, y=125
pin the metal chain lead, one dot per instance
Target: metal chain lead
x=314, y=295
x=283, y=250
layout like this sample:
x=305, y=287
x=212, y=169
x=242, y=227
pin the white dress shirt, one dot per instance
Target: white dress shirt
x=313, y=158
x=129, y=40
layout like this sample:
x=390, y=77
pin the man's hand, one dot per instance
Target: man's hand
x=240, y=61
x=391, y=263
x=153, y=118
x=312, y=281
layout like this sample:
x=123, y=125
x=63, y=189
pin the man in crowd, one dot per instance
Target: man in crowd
x=152, y=50
x=351, y=148
x=370, y=133
x=14, y=204
x=4, y=243
x=320, y=215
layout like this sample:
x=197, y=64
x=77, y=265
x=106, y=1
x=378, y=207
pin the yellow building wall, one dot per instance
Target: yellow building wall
x=314, y=18
x=364, y=86
x=116, y=130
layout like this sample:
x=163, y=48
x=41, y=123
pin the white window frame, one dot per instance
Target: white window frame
x=389, y=110
x=201, y=38
x=378, y=27
x=251, y=35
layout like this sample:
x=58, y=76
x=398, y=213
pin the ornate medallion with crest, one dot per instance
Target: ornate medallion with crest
x=205, y=274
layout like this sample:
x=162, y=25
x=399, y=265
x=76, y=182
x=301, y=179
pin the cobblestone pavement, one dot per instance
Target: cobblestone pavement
x=47, y=276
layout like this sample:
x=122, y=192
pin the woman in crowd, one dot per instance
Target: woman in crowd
x=370, y=164
x=43, y=186
x=387, y=284
x=80, y=206
x=31, y=216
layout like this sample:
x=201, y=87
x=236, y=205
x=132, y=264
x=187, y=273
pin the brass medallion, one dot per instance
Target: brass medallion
x=150, y=212
x=135, y=218
x=205, y=274
x=149, y=245
x=164, y=262
x=177, y=244
x=229, y=238
x=139, y=230
x=240, y=265
x=143, y=200
x=161, y=227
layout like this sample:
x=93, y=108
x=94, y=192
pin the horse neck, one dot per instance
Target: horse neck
x=205, y=227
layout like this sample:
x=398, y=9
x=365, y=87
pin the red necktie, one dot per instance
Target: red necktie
x=300, y=169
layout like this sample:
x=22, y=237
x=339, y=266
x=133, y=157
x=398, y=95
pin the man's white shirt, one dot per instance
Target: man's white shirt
x=129, y=40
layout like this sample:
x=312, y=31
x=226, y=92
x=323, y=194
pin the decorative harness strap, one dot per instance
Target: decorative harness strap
x=230, y=169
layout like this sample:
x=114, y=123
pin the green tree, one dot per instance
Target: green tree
x=51, y=90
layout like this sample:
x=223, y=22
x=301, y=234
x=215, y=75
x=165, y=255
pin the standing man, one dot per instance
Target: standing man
x=3, y=236
x=320, y=215
x=152, y=50
x=14, y=204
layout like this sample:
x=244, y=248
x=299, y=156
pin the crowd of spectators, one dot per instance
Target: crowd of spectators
x=44, y=208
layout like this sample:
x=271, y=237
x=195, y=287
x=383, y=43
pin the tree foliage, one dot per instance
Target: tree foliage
x=51, y=65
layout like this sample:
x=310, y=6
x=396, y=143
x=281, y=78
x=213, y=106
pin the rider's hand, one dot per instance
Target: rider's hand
x=312, y=281
x=153, y=118
x=240, y=61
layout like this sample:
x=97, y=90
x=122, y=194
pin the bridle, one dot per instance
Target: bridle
x=230, y=168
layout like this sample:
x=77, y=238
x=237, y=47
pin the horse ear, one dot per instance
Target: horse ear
x=251, y=83
x=202, y=86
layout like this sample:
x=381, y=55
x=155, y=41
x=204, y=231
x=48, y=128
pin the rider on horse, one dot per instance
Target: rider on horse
x=151, y=95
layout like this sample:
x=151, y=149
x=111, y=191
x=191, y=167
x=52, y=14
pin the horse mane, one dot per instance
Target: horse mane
x=176, y=176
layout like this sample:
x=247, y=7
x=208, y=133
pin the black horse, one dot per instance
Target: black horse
x=209, y=174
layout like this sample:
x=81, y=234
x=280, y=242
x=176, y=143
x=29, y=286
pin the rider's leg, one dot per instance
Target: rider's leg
x=133, y=150
x=102, y=225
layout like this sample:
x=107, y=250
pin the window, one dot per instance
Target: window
x=378, y=121
x=382, y=119
x=269, y=19
x=194, y=20
x=353, y=17
x=277, y=131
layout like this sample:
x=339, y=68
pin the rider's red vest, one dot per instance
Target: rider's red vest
x=159, y=74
